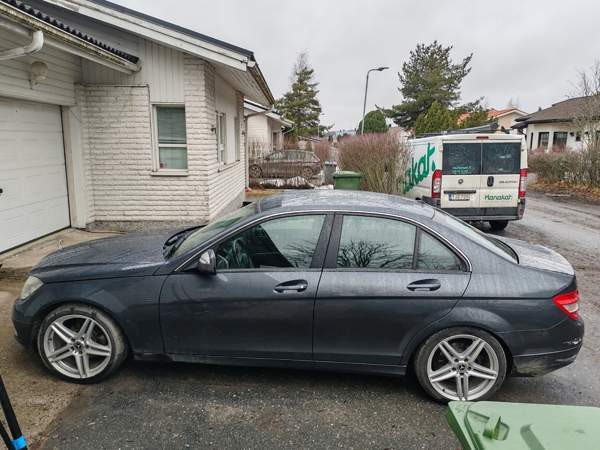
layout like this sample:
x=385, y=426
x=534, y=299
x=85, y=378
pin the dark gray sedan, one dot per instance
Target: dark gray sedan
x=333, y=280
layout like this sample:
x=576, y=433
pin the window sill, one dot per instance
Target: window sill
x=170, y=173
x=225, y=167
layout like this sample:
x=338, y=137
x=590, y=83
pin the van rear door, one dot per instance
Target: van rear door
x=461, y=175
x=500, y=174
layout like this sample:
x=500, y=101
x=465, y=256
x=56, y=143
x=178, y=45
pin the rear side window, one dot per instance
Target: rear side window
x=501, y=158
x=433, y=255
x=376, y=243
x=462, y=159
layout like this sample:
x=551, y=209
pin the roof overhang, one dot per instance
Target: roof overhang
x=22, y=24
x=523, y=124
x=227, y=58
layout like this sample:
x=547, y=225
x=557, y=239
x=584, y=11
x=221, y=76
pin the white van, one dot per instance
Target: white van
x=476, y=177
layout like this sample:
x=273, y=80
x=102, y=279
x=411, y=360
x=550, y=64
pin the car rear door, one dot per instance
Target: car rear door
x=384, y=279
x=461, y=175
x=500, y=174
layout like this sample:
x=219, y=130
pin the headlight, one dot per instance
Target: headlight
x=31, y=285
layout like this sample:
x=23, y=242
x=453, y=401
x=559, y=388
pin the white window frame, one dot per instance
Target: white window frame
x=221, y=132
x=156, y=169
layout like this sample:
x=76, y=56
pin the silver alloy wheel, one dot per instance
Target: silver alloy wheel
x=463, y=367
x=77, y=346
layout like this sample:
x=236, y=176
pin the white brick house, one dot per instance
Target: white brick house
x=116, y=120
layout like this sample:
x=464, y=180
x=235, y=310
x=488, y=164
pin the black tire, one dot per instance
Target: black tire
x=118, y=343
x=307, y=173
x=421, y=360
x=498, y=225
x=255, y=172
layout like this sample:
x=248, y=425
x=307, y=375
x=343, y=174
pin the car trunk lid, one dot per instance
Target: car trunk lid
x=538, y=256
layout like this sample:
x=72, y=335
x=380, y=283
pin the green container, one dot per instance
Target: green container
x=494, y=425
x=347, y=180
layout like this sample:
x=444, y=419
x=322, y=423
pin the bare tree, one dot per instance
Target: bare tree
x=587, y=123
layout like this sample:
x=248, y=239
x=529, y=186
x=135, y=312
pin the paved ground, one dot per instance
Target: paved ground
x=159, y=406
x=36, y=397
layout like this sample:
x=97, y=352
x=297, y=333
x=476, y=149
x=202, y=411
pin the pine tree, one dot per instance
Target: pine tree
x=428, y=76
x=374, y=123
x=437, y=118
x=301, y=105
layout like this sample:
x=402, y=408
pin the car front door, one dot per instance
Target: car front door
x=260, y=302
x=384, y=280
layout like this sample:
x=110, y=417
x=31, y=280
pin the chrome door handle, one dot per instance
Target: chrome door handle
x=289, y=286
x=424, y=286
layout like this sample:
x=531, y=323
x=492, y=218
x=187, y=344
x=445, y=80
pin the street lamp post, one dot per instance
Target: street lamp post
x=362, y=124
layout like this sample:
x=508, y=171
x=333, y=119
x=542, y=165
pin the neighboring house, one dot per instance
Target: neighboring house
x=109, y=117
x=505, y=118
x=401, y=133
x=553, y=127
x=264, y=130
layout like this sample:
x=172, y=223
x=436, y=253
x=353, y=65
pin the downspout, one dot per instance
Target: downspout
x=37, y=42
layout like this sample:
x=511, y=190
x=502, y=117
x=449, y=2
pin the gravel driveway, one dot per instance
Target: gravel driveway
x=171, y=405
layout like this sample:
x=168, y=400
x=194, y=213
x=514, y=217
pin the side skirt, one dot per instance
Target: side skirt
x=280, y=363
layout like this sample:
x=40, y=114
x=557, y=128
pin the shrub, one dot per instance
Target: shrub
x=556, y=165
x=381, y=158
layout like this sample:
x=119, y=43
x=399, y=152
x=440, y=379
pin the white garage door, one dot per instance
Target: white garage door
x=34, y=200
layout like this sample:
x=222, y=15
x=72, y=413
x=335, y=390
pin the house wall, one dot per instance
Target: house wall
x=63, y=71
x=123, y=190
x=536, y=128
x=508, y=121
x=260, y=135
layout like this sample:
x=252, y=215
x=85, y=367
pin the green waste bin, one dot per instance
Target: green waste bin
x=495, y=425
x=347, y=180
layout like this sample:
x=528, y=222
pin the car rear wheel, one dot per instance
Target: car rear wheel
x=81, y=344
x=255, y=172
x=461, y=364
x=307, y=173
x=498, y=225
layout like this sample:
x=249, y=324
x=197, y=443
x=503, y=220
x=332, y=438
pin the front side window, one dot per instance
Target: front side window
x=376, y=243
x=462, y=159
x=284, y=243
x=560, y=139
x=543, y=138
x=171, y=137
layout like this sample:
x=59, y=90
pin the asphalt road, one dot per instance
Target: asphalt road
x=187, y=406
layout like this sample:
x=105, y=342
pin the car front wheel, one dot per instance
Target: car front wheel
x=255, y=172
x=81, y=344
x=461, y=364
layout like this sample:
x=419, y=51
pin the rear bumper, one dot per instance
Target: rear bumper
x=535, y=365
x=482, y=214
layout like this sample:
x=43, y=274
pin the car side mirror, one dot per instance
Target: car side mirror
x=207, y=263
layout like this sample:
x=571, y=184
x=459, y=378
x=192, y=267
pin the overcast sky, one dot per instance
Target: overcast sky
x=527, y=50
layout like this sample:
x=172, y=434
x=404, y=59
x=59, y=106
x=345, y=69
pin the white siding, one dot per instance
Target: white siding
x=162, y=70
x=537, y=128
x=63, y=71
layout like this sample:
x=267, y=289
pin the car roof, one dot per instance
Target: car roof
x=340, y=200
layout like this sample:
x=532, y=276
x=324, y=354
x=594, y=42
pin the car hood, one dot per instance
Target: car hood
x=136, y=254
x=538, y=256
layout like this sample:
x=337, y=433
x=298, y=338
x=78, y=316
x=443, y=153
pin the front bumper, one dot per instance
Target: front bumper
x=23, y=327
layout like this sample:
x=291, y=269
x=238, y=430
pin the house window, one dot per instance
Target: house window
x=543, y=138
x=274, y=141
x=531, y=142
x=171, y=137
x=560, y=139
x=238, y=134
x=222, y=137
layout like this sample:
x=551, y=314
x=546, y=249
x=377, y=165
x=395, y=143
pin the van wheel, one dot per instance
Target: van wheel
x=498, y=225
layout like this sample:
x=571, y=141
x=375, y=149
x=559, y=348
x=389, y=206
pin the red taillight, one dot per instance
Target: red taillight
x=568, y=303
x=523, y=183
x=436, y=184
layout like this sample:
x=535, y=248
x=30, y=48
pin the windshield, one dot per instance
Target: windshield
x=213, y=228
x=494, y=245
